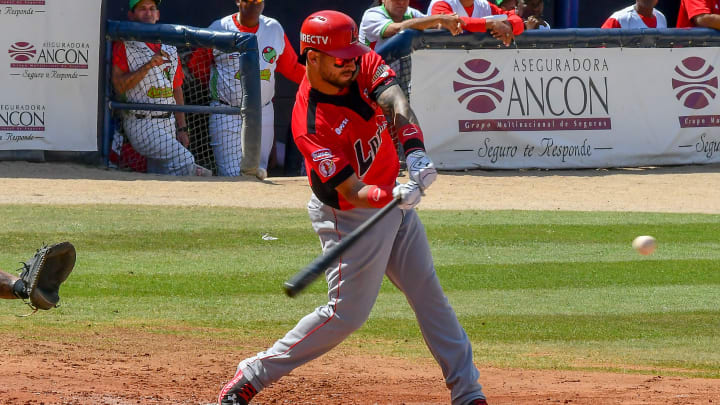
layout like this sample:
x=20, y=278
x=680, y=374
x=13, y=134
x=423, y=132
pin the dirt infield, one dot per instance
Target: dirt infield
x=128, y=367
x=668, y=189
x=137, y=367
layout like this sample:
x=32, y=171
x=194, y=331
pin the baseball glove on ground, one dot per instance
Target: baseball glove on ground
x=44, y=272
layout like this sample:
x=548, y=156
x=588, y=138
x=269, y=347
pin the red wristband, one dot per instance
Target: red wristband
x=474, y=24
x=411, y=138
x=379, y=197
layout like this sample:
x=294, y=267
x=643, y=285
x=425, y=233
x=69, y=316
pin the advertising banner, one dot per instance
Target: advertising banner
x=568, y=108
x=49, y=54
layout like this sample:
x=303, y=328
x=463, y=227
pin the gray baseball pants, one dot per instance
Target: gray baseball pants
x=397, y=246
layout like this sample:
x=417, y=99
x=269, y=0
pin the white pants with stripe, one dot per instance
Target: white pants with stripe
x=396, y=247
x=226, y=141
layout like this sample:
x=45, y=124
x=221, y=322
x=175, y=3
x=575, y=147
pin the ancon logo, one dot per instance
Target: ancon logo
x=695, y=82
x=22, y=51
x=480, y=89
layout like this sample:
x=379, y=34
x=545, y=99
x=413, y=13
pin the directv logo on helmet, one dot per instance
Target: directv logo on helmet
x=314, y=39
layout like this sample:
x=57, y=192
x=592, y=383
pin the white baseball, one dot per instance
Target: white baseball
x=644, y=244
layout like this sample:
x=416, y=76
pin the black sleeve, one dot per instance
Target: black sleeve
x=389, y=82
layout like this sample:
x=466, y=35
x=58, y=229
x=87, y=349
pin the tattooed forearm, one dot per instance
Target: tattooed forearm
x=396, y=107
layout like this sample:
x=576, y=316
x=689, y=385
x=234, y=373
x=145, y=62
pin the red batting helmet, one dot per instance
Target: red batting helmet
x=331, y=32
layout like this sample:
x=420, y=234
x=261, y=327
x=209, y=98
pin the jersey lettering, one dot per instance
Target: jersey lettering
x=364, y=162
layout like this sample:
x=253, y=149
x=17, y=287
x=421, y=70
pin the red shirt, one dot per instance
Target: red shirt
x=690, y=9
x=287, y=63
x=478, y=24
x=651, y=22
x=120, y=60
x=344, y=135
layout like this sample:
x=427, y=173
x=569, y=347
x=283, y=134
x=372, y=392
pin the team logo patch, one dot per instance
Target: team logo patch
x=269, y=54
x=375, y=196
x=160, y=92
x=322, y=154
x=382, y=72
x=327, y=167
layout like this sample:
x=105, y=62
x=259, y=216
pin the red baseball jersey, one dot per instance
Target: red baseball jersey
x=346, y=134
x=690, y=9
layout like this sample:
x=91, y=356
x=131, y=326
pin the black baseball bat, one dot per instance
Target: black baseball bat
x=309, y=273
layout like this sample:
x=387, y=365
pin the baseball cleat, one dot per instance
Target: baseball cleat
x=238, y=391
x=477, y=401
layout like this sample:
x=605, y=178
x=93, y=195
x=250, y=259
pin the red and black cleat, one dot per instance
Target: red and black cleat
x=238, y=391
x=477, y=401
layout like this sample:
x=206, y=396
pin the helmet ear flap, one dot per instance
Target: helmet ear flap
x=302, y=59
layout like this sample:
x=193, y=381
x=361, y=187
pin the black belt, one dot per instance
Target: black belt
x=161, y=116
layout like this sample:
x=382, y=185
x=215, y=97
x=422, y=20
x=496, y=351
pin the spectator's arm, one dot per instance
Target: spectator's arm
x=124, y=81
x=501, y=30
x=707, y=20
x=182, y=133
x=450, y=22
x=475, y=24
x=516, y=23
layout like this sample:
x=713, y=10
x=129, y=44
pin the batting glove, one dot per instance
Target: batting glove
x=409, y=195
x=421, y=168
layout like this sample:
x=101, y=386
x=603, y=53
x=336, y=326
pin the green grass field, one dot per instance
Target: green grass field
x=557, y=290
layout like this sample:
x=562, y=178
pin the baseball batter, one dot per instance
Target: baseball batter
x=152, y=74
x=276, y=53
x=340, y=126
x=642, y=14
x=473, y=13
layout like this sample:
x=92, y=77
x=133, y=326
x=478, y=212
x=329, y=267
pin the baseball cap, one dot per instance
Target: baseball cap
x=134, y=3
x=333, y=33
